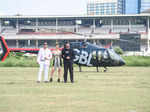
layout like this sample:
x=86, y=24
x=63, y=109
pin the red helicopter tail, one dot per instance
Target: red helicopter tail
x=4, y=50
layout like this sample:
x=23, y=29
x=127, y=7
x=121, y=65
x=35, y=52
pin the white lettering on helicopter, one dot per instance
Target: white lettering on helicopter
x=76, y=56
x=83, y=57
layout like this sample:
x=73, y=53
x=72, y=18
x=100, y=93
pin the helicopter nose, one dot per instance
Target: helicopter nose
x=122, y=62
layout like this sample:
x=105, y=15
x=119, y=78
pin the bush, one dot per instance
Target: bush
x=118, y=50
x=137, y=61
x=17, y=60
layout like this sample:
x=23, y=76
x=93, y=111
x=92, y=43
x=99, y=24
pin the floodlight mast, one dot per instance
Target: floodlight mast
x=78, y=22
x=148, y=30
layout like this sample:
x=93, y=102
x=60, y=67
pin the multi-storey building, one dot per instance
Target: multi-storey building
x=132, y=6
x=145, y=4
x=106, y=7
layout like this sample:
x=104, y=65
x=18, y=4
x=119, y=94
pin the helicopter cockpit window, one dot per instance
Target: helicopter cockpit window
x=94, y=55
x=111, y=53
x=1, y=49
x=99, y=55
x=105, y=54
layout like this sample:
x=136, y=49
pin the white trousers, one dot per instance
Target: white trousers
x=44, y=67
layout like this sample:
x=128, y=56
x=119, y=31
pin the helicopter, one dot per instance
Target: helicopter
x=86, y=54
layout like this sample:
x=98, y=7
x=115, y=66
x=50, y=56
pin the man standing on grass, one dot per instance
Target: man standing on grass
x=68, y=56
x=43, y=60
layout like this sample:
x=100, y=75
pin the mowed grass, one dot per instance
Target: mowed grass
x=121, y=89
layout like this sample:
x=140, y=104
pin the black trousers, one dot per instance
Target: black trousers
x=68, y=66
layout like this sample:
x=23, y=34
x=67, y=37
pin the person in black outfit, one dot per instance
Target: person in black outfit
x=68, y=56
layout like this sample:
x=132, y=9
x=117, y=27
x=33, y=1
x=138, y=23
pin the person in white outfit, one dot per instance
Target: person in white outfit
x=43, y=59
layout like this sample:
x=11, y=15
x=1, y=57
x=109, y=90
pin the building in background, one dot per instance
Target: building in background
x=146, y=11
x=136, y=6
x=106, y=7
x=132, y=6
x=113, y=7
x=32, y=31
x=145, y=4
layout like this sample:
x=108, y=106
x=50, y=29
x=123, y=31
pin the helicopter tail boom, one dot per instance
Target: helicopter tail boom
x=4, y=50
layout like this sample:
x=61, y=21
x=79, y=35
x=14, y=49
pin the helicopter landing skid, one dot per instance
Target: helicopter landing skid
x=97, y=69
x=80, y=70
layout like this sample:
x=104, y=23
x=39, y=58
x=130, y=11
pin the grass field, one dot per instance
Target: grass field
x=123, y=89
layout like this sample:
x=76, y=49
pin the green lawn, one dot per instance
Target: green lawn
x=123, y=89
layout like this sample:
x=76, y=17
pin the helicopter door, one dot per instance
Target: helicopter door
x=94, y=55
x=99, y=55
x=111, y=54
x=105, y=55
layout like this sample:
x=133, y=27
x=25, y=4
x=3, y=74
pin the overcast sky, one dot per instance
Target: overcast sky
x=43, y=7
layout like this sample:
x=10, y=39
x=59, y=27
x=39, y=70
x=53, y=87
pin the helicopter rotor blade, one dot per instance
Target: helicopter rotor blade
x=80, y=34
x=91, y=35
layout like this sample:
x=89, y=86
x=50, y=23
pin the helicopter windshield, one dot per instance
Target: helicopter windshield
x=1, y=49
x=99, y=55
x=94, y=54
x=105, y=55
x=113, y=55
x=117, y=59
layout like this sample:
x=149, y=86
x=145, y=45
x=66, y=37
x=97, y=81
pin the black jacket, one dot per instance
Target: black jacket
x=66, y=53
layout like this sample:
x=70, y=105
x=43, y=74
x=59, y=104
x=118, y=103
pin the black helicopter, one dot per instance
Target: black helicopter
x=86, y=54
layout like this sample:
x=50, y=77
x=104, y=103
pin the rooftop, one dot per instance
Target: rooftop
x=146, y=11
x=72, y=16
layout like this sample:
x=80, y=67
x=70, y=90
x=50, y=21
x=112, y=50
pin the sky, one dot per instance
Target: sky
x=43, y=7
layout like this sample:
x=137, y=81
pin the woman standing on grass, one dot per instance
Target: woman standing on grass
x=57, y=63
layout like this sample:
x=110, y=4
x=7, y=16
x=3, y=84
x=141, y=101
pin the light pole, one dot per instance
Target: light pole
x=78, y=22
x=148, y=37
